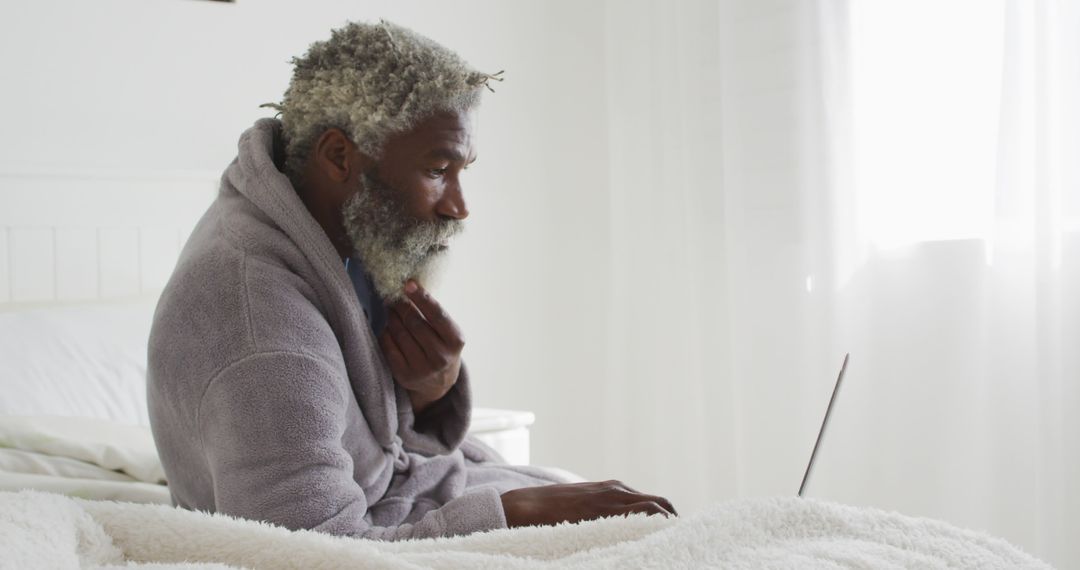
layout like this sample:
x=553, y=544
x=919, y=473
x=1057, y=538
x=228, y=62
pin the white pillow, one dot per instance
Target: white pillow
x=76, y=360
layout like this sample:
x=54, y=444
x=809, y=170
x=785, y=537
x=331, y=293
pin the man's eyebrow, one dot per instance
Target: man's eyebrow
x=449, y=154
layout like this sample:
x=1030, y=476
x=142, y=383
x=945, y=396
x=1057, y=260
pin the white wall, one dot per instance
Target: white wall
x=621, y=253
x=155, y=85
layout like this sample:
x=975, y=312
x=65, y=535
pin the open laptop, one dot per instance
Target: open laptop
x=824, y=422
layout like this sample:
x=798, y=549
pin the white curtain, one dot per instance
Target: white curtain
x=667, y=402
x=793, y=180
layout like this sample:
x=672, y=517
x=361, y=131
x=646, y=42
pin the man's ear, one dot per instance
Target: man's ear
x=337, y=157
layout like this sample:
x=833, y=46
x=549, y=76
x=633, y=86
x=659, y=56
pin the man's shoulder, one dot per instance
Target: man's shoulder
x=231, y=295
x=237, y=250
x=285, y=310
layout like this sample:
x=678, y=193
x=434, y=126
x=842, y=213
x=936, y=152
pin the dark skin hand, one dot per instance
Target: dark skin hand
x=575, y=502
x=422, y=344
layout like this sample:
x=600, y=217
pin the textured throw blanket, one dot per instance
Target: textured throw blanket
x=40, y=530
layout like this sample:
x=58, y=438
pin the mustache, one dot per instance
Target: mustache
x=431, y=236
x=414, y=235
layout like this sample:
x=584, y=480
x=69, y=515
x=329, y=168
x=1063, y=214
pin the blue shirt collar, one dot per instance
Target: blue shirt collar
x=365, y=293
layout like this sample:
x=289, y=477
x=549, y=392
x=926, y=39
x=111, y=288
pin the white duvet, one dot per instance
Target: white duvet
x=40, y=530
x=81, y=457
x=95, y=459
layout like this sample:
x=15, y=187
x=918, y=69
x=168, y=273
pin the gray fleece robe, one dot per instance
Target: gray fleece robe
x=270, y=399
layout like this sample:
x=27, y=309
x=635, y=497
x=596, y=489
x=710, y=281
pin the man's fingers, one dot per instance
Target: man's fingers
x=622, y=485
x=393, y=354
x=664, y=503
x=658, y=500
x=638, y=496
x=433, y=312
x=436, y=354
x=406, y=344
x=646, y=508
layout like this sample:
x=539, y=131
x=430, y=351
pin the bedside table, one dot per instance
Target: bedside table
x=505, y=430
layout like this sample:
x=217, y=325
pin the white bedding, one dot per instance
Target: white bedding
x=40, y=530
x=86, y=371
x=125, y=449
x=95, y=489
x=80, y=457
x=85, y=360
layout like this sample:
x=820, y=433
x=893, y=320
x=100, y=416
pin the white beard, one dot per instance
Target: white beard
x=392, y=245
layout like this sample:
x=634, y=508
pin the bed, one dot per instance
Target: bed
x=81, y=486
x=73, y=415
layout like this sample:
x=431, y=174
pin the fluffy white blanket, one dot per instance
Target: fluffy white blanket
x=42, y=530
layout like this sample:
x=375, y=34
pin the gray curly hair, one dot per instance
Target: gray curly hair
x=371, y=81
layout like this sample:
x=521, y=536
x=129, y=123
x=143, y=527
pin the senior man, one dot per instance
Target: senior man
x=299, y=371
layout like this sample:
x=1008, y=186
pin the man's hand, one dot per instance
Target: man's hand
x=422, y=345
x=553, y=504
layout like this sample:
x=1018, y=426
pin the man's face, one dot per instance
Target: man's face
x=409, y=206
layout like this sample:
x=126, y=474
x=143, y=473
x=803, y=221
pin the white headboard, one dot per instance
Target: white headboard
x=71, y=236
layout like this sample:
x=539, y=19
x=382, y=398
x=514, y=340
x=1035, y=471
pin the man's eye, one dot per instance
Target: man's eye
x=437, y=172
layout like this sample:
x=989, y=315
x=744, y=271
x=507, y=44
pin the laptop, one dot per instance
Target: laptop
x=824, y=423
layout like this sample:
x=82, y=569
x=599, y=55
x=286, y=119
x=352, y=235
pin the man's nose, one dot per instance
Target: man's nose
x=452, y=203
